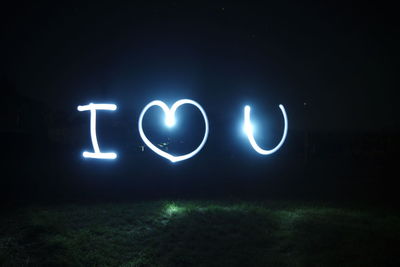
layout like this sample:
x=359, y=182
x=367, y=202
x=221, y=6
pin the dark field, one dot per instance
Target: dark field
x=200, y=233
x=338, y=209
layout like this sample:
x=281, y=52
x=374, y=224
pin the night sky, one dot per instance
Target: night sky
x=332, y=65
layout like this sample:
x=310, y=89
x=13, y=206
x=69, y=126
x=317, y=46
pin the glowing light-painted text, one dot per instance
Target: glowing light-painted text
x=170, y=122
x=248, y=128
x=92, y=108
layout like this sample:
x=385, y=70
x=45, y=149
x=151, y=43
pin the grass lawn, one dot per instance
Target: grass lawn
x=200, y=233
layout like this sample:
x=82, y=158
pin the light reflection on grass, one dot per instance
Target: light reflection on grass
x=172, y=208
x=199, y=233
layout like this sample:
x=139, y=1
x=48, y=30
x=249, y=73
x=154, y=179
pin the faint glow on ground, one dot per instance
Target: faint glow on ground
x=170, y=122
x=249, y=130
x=172, y=209
x=92, y=108
x=181, y=207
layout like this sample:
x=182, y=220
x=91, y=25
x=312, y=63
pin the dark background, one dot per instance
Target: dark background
x=332, y=65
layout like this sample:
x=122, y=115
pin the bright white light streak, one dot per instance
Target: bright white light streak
x=248, y=128
x=170, y=122
x=92, y=108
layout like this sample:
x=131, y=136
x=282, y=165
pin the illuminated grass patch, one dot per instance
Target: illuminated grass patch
x=173, y=208
x=199, y=233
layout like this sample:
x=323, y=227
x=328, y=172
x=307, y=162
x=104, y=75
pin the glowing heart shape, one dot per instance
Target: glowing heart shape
x=170, y=121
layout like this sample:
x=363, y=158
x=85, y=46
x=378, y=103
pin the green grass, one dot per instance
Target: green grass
x=199, y=233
